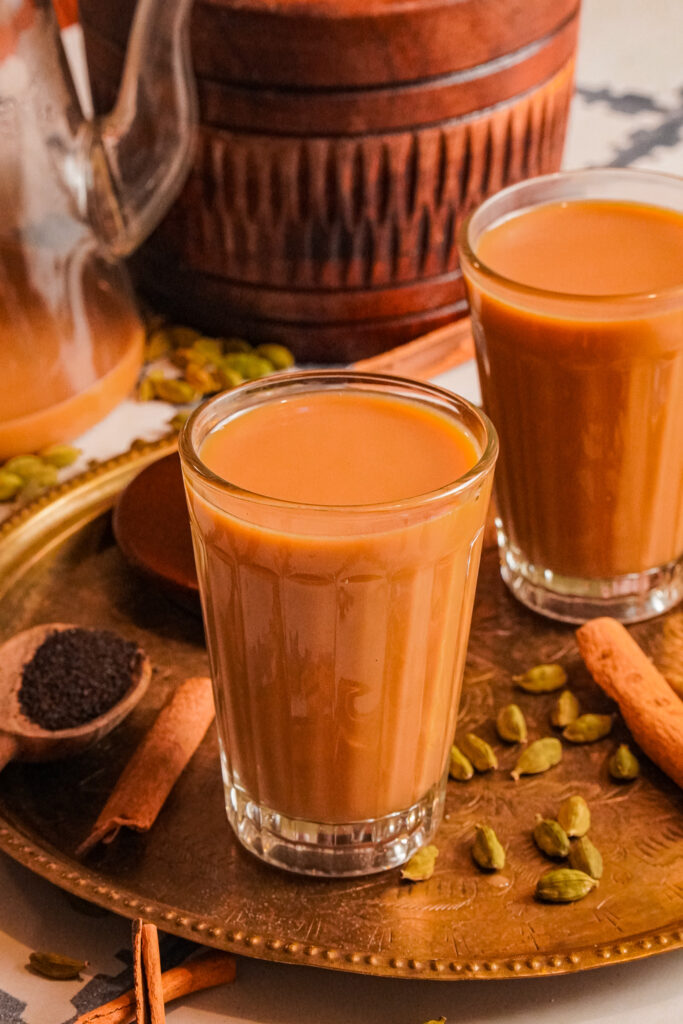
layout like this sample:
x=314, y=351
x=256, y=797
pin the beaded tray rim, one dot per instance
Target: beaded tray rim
x=64, y=510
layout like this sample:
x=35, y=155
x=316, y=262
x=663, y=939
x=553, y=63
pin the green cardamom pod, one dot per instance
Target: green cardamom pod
x=10, y=485
x=623, y=765
x=45, y=476
x=184, y=357
x=172, y=389
x=487, y=850
x=566, y=710
x=459, y=766
x=420, y=867
x=181, y=336
x=158, y=344
x=236, y=345
x=248, y=364
x=564, y=885
x=278, y=355
x=60, y=455
x=574, y=816
x=201, y=379
x=551, y=838
x=228, y=377
x=588, y=728
x=53, y=965
x=212, y=348
x=479, y=752
x=146, y=390
x=511, y=724
x=542, y=679
x=538, y=757
x=25, y=466
x=178, y=421
x=584, y=856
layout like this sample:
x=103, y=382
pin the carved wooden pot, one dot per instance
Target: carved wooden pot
x=341, y=143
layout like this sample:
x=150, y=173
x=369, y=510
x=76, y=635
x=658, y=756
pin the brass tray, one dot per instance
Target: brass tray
x=58, y=561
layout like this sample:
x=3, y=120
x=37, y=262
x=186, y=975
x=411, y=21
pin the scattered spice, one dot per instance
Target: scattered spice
x=10, y=485
x=551, y=838
x=60, y=455
x=178, y=421
x=623, y=765
x=459, y=766
x=564, y=885
x=56, y=966
x=649, y=706
x=574, y=816
x=147, y=984
x=75, y=675
x=207, y=970
x=157, y=763
x=421, y=865
x=207, y=365
x=479, y=752
x=566, y=710
x=542, y=679
x=588, y=728
x=26, y=476
x=511, y=724
x=538, y=757
x=487, y=851
x=584, y=856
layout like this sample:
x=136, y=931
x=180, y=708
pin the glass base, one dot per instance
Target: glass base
x=632, y=597
x=335, y=851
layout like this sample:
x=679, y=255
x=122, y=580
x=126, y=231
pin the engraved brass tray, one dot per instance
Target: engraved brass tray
x=58, y=561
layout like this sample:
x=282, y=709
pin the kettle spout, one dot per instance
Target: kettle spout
x=140, y=153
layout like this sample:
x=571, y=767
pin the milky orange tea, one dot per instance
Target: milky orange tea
x=576, y=290
x=337, y=522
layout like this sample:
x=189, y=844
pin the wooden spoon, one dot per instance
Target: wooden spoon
x=23, y=740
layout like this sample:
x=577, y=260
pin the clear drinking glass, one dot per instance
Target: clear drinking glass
x=586, y=392
x=337, y=638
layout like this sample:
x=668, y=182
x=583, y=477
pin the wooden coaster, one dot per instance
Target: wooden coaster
x=152, y=529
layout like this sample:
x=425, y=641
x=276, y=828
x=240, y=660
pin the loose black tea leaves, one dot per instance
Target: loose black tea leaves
x=76, y=675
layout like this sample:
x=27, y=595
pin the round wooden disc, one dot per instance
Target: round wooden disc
x=152, y=529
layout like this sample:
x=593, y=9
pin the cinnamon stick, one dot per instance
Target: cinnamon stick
x=147, y=986
x=151, y=967
x=205, y=971
x=649, y=706
x=141, y=1007
x=157, y=763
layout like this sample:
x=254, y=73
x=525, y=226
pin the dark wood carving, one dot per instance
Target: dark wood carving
x=322, y=210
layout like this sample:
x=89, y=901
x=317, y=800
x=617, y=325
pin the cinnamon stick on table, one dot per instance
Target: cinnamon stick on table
x=157, y=763
x=205, y=971
x=649, y=706
x=147, y=985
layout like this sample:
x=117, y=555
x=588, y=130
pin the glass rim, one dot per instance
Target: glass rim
x=189, y=455
x=551, y=295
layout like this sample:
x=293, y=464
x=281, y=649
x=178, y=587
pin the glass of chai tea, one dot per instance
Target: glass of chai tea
x=337, y=519
x=575, y=283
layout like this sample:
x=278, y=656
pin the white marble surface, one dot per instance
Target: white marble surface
x=628, y=109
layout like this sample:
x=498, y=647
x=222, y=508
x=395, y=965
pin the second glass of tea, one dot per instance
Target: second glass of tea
x=337, y=519
x=575, y=283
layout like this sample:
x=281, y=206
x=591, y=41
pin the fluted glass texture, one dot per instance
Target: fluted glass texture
x=337, y=636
